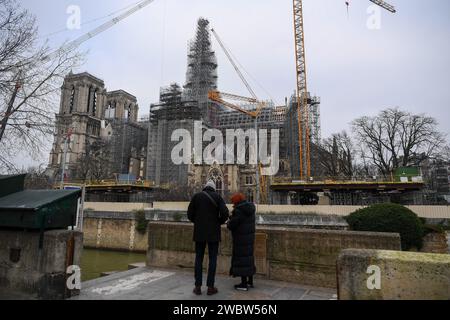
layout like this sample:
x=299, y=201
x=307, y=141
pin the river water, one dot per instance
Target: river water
x=94, y=262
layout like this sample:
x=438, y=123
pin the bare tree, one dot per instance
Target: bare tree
x=31, y=75
x=95, y=163
x=396, y=138
x=36, y=178
x=174, y=193
x=338, y=156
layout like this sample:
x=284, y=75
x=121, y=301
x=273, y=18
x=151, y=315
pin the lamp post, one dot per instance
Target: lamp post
x=64, y=156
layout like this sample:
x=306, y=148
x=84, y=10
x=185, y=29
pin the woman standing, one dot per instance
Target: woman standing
x=242, y=226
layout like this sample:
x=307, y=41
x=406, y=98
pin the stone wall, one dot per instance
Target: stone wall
x=402, y=275
x=115, y=206
x=286, y=254
x=436, y=214
x=310, y=221
x=435, y=242
x=448, y=241
x=113, y=231
x=38, y=273
x=116, y=230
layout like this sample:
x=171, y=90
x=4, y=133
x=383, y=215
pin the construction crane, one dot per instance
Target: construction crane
x=222, y=97
x=105, y=26
x=303, y=126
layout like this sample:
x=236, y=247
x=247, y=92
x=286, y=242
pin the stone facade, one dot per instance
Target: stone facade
x=81, y=109
x=92, y=118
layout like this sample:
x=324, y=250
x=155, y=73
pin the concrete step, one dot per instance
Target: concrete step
x=136, y=265
x=108, y=273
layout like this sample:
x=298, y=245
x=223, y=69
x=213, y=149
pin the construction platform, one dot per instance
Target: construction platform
x=328, y=186
x=109, y=185
x=114, y=191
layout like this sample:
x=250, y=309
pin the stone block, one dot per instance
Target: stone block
x=38, y=272
x=403, y=275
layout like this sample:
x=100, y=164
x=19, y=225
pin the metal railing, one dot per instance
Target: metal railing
x=107, y=183
x=340, y=181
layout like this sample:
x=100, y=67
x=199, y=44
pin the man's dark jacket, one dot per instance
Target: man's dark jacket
x=207, y=215
x=242, y=226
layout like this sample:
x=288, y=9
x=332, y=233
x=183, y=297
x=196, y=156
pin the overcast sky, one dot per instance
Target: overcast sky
x=355, y=71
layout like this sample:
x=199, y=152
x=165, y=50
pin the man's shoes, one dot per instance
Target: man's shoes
x=241, y=287
x=212, y=291
x=198, y=291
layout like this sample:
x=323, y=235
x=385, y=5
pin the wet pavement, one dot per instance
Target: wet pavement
x=158, y=284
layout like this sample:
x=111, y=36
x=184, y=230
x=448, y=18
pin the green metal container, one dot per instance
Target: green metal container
x=38, y=209
x=406, y=173
x=11, y=184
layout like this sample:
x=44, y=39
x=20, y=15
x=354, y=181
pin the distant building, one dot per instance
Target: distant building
x=437, y=177
x=100, y=123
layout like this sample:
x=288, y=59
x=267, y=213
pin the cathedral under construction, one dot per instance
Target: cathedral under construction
x=99, y=136
x=95, y=125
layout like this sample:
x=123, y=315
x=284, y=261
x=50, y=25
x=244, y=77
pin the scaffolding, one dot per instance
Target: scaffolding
x=201, y=75
x=292, y=135
x=127, y=145
x=171, y=113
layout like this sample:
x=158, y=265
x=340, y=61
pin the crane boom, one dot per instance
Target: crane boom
x=384, y=5
x=107, y=25
x=219, y=97
x=234, y=64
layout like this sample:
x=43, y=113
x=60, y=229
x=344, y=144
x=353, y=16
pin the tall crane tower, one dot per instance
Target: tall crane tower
x=303, y=112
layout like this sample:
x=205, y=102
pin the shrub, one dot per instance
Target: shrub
x=390, y=217
x=177, y=217
x=433, y=228
x=141, y=222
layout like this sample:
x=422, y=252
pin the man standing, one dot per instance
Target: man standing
x=208, y=212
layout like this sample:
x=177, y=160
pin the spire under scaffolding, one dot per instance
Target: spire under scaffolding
x=201, y=76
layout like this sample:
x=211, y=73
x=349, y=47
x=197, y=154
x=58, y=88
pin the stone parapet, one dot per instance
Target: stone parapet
x=286, y=254
x=393, y=275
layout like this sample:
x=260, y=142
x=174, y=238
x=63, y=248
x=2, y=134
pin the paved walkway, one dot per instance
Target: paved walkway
x=149, y=284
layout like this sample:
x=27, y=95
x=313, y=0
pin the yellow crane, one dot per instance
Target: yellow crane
x=232, y=101
x=224, y=99
x=304, y=143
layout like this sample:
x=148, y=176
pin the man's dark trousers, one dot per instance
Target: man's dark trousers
x=213, y=249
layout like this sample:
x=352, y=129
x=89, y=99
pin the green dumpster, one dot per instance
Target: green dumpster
x=36, y=209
